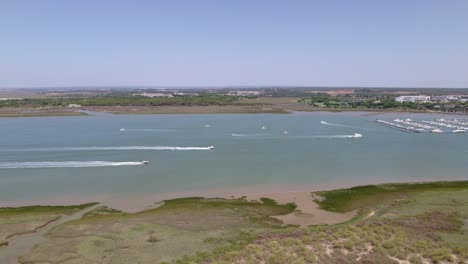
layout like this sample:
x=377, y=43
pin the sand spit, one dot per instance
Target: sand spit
x=307, y=212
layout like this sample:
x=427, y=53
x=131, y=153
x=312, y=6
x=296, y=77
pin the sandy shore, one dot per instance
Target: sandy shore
x=307, y=211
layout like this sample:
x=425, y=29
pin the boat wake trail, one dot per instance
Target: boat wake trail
x=146, y=130
x=355, y=135
x=113, y=148
x=249, y=135
x=338, y=125
x=66, y=164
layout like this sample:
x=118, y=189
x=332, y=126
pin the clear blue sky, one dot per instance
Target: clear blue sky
x=406, y=43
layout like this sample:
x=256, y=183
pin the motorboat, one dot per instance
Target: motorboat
x=144, y=162
x=437, y=130
x=356, y=135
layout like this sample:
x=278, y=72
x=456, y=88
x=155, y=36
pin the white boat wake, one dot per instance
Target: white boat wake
x=355, y=135
x=146, y=130
x=338, y=125
x=249, y=135
x=67, y=164
x=113, y=148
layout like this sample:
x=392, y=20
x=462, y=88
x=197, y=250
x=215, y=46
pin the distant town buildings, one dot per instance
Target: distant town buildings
x=450, y=98
x=245, y=93
x=426, y=99
x=5, y=99
x=154, y=95
x=413, y=99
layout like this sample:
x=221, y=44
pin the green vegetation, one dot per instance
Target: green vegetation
x=377, y=100
x=21, y=220
x=41, y=209
x=415, y=222
x=343, y=200
x=177, y=227
x=123, y=100
x=419, y=223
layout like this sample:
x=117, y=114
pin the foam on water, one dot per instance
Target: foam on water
x=66, y=164
x=249, y=135
x=338, y=125
x=331, y=136
x=111, y=148
x=146, y=130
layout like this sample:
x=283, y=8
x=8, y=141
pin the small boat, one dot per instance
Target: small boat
x=459, y=131
x=144, y=162
x=263, y=127
x=437, y=130
x=356, y=135
x=211, y=147
x=285, y=132
x=122, y=129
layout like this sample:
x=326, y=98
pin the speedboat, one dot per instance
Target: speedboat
x=211, y=147
x=263, y=127
x=122, y=129
x=144, y=162
x=356, y=135
x=459, y=131
x=285, y=132
x=437, y=130
x=207, y=126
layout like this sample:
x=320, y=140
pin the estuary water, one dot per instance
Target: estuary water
x=51, y=157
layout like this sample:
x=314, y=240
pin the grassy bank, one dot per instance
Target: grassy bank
x=408, y=223
x=405, y=223
x=22, y=220
x=360, y=197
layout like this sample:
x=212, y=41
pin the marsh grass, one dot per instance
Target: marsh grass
x=360, y=197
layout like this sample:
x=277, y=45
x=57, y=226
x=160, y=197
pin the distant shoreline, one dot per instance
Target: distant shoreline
x=163, y=110
x=145, y=201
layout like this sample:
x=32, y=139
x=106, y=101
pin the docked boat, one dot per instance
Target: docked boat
x=459, y=131
x=437, y=130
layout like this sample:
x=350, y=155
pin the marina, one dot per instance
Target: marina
x=441, y=125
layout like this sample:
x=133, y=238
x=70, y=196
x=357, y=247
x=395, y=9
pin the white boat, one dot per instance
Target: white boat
x=144, y=162
x=122, y=129
x=459, y=131
x=285, y=132
x=263, y=127
x=211, y=147
x=437, y=130
x=207, y=126
x=356, y=135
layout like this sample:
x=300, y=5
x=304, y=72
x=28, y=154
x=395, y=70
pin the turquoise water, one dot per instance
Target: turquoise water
x=46, y=157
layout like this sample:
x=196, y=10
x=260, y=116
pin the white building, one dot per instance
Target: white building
x=245, y=93
x=154, y=95
x=413, y=99
x=6, y=99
